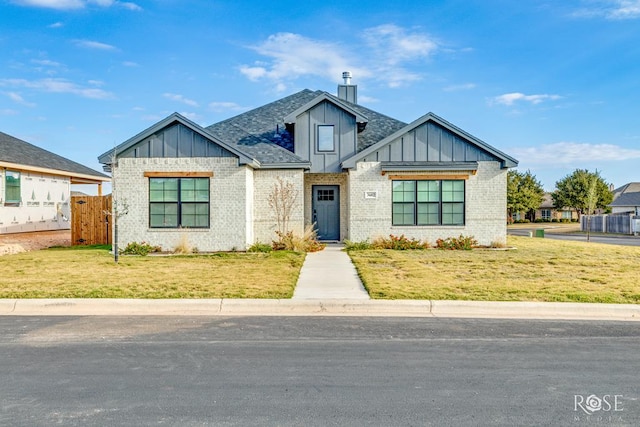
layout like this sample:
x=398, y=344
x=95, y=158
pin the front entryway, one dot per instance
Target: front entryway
x=326, y=211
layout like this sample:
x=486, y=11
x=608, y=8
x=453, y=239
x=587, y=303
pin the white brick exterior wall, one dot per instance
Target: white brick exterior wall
x=240, y=214
x=264, y=218
x=485, y=204
x=230, y=203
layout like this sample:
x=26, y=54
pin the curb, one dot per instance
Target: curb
x=331, y=307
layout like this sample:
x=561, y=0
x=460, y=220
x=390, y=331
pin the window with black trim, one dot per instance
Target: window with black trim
x=179, y=202
x=326, y=141
x=428, y=202
x=12, y=195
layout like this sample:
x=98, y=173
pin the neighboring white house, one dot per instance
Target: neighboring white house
x=626, y=199
x=35, y=186
x=357, y=174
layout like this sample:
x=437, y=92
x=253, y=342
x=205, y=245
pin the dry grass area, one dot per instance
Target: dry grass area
x=538, y=270
x=86, y=272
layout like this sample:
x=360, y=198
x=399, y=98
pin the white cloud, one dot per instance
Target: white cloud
x=76, y=4
x=52, y=4
x=91, y=44
x=380, y=52
x=459, y=87
x=610, y=9
x=56, y=25
x=511, y=98
x=8, y=112
x=130, y=64
x=180, y=98
x=220, y=107
x=46, y=63
x=18, y=99
x=573, y=152
x=294, y=56
x=58, y=86
x=191, y=116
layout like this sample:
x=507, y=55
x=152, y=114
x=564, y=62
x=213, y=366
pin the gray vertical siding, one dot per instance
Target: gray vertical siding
x=345, y=129
x=176, y=141
x=429, y=142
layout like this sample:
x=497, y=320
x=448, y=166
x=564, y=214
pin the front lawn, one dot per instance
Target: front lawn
x=81, y=272
x=538, y=270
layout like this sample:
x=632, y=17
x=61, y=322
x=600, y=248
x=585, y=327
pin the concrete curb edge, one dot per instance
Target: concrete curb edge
x=332, y=307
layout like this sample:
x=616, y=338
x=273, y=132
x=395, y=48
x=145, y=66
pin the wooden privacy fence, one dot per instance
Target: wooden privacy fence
x=90, y=223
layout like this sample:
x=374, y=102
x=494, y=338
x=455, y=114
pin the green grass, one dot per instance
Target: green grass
x=538, y=270
x=90, y=272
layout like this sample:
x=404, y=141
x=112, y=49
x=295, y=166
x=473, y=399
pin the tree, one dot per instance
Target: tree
x=282, y=200
x=572, y=191
x=524, y=192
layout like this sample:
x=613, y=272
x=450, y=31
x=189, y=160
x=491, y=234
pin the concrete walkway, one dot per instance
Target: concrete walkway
x=329, y=274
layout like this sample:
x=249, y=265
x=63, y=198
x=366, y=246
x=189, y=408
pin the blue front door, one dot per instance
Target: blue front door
x=326, y=211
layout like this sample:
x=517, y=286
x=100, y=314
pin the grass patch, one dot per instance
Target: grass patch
x=539, y=270
x=89, y=272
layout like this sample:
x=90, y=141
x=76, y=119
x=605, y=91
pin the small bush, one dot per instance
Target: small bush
x=289, y=241
x=143, y=249
x=260, y=247
x=457, y=243
x=183, y=246
x=357, y=246
x=497, y=244
x=399, y=243
x=522, y=221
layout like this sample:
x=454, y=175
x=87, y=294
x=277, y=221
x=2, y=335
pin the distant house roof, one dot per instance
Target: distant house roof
x=627, y=196
x=19, y=154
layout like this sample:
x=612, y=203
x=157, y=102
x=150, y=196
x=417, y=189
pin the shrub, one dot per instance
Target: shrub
x=260, y=247
x=143, y=249
x=457, y=243
x=290, y=241
x=183, y=246
x=399, y=243
x=357, y=246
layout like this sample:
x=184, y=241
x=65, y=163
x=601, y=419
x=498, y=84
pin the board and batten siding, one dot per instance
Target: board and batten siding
x=345, y=137
x=431, y=143
x=176, y=141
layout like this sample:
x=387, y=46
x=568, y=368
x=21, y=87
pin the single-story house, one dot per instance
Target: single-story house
x=355, y=173
x=626, y=199
x=35, y=186
x=548, y=212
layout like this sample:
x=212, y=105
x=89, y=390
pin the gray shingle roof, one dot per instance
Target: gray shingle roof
x=14, y=150
x=627, y=195
x=254, y=132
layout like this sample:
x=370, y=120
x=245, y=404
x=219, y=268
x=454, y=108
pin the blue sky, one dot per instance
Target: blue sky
x=555, y=84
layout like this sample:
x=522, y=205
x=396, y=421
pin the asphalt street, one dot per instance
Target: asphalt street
x=596, y=238
x=316, y=371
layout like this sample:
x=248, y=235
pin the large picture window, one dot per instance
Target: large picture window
x=428, y=202
x=179, y=202
x=12, y=188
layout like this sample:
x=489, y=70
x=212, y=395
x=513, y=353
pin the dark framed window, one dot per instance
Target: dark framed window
x=428, y=202
x=12, y=195
x=179, y=202
x=326, y=141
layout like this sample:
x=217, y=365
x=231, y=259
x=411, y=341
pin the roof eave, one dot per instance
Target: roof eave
x=73, y=175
